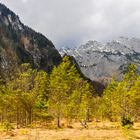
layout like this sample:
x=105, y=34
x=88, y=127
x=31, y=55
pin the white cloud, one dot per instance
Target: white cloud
x=24, y=1
x=76, y=21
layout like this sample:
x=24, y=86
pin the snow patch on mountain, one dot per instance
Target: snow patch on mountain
x=100, y=61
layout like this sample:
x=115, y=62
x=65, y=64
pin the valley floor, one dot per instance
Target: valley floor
x=98, y=131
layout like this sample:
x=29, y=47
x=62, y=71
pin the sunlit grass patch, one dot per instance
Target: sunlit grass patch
x=23, y=132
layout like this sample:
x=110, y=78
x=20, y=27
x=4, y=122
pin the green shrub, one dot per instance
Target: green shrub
x=8, y=126
x=127, y=122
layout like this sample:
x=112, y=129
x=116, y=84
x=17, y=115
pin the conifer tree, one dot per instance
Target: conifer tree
x=68, y=92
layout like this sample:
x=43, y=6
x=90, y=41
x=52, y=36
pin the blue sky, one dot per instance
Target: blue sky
x=74, y=22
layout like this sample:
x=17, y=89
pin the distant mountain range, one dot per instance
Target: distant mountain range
x=100, y=62
x=20, y=44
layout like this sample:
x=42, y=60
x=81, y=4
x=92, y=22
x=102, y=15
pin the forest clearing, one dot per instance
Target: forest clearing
x=41, y=103
x=95, y=131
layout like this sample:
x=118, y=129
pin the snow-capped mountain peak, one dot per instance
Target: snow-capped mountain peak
x=99, y=61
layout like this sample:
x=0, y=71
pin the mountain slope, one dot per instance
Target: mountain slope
x=102, y=61
x=20, y=44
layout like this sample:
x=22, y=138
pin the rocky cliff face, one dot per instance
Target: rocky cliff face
x=20, y=44
x=102, y=61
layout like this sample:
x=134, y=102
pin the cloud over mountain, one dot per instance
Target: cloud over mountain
x=70, y=23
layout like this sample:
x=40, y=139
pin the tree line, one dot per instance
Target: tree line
x=31, y=95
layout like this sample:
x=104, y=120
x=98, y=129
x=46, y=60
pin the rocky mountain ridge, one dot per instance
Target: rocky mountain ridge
x=100, y=61
x=21, y=44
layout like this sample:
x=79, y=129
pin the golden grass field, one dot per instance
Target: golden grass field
x=95, y=131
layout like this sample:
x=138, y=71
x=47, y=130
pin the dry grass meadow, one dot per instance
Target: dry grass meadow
x=95, y=131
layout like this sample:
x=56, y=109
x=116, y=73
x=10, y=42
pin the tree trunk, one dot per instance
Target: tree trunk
x=58, y=115
x=30, y=117
x=17, y=117
x=58, y=121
